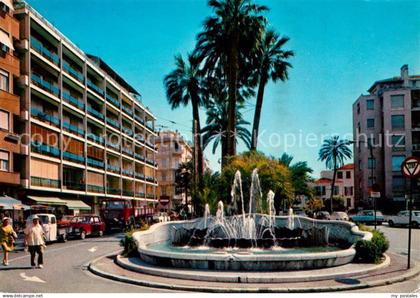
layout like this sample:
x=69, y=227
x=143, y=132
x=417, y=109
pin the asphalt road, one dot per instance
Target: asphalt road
x=64, y=269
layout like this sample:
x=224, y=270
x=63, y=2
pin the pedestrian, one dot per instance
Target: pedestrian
x=34, y=239
x=7, y=239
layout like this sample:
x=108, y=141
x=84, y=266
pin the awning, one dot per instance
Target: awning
x=77, y=204
x=8, y=3
x=5, y=39
x=9, y=203
x=48, y=200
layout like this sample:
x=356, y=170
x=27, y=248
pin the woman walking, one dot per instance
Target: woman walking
x=7, y=239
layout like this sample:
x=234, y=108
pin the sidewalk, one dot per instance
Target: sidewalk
x=395, y=272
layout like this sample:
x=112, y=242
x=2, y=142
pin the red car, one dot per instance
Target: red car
x=85, y=225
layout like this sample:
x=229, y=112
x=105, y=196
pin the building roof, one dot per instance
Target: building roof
x=349, y=166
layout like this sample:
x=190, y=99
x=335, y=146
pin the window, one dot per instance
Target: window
x=4, y=80
x=348, y=190
x=371, y=163
x=339, y=175
x=397, y=101
x=398, y=142
x=397, y=160
x=397, y=121
x=358, y=108
x=370, y=123
x=348, y=175
x=4, y=120
x=370, y=104
x=348, y=202
x=336, y=190
x=359, y=129
x=398, y=183
x=4, y=161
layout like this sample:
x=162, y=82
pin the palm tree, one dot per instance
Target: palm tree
x=272, y=64
x=184, y=86
x=300, y=172
x=183, y=180
x=334, y=152
x=216, y=127
x=228, y=39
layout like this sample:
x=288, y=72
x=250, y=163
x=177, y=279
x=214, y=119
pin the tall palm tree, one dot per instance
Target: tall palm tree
x=216, y=127
x=272, y=64
x=228, y=39
x=334, y=152
x=300, y=172
x=184, y=86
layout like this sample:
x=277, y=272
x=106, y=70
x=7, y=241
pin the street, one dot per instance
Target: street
x=65, y=267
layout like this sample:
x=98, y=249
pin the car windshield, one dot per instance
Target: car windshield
x=43, y=219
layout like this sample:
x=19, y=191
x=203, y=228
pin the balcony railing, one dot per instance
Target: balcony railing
x=114, y=191
x=45, y=117
x=113, y=146
x=128, y=193
x=139, y=138
x=140, y=194
x=73, y=129
x=95, y=138
x=127, y=151
x=45, y=182
x=39, y=47
x=95, y=113
x=73, y=157
x=112, y=100
x=149, y=144
x=95, y=188
x=95, y=163
x=150, y=196
x=150, y=179
x=128, y=172
x=149, y=126
x=73, y=72
x=95, y=88
x=112, y=168
x=113, y=123
x=128, y=131
x=43, y=84
x=127, y=110
x=45, y=149
x=139, y=176
x=151, y=162
x=139, y=119
x=74, y=101
x=139, y=157
x=74, y=185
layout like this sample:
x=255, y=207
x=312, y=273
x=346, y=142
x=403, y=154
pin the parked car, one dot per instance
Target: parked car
x=85, y=225
x=339, y=215
x=323, y=215
x=368, y=217
x=53, y=231
x=402, y=219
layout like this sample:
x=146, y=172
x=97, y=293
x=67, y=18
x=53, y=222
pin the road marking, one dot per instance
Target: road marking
x=31, y=278
x=93, y=249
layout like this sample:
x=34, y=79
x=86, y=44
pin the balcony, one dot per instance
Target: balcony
x=95, y=138
x=139, y=157
x=139, y=138
x=74, y=185
x=73, y=157
x=127, y=151
x=150, y=179
x=140, y=194
x=128, y=193
x=45, y=182
x=139, y=119
x=95, y=188
x=46, y=53
x=116, y=147
x=127, y=110
x=149, y=144
x=51, y=120
x=128, y=131
x=73, y=72
x=73, y=129
x=149, y=126
x=150, y=196
x=95, y=163
x=113, y=100
x=112, y=168
x=45, y=149
x=95, y=113
x=95, y=88
x=128, y=172
x=113, y=123
x=139, y=176
x=73, y=101
x=151, y=162
x=45, y=85
x=113, y=191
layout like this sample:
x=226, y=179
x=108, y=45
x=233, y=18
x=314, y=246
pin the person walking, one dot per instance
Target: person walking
x=34, y=238
x=7, y=239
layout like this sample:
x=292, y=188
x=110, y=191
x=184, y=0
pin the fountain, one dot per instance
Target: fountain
x=251, y=240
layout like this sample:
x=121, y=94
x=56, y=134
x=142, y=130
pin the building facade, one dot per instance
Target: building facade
x=388, y=118
x=173, y=150
x=87, y=135
x=344, y=185
x=10, y=121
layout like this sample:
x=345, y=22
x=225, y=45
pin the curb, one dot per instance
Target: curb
x=92, y=268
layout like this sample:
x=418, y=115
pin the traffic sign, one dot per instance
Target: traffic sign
x=411, y=167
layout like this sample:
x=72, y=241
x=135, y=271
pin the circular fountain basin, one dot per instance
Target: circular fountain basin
x=155, y=247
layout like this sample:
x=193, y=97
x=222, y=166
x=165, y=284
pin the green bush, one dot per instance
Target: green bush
x=371, y=251
x=130, y=247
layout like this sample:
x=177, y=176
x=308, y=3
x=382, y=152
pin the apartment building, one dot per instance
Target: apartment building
x=388, y=118
x=88, y=136
x=173, y=150
x=344, y=185
x=10, y=122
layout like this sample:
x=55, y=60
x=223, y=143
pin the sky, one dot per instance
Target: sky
x=341, y=48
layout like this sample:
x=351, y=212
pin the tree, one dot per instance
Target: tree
x=184, y=179
x=334, y=152
x=216, y=128
x=184, y=86
x=300, y=172
x=229, y=38
x=271, y=64
x=314, y=205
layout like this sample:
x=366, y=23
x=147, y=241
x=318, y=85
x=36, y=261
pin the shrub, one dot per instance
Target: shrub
x=371, y=251
x=130, y=247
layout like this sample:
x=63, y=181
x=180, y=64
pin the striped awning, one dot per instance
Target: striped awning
x=48, y=200
x=9, y=203
x=77, y=204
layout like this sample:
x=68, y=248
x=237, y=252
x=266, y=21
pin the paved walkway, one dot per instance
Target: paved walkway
x=395, y=272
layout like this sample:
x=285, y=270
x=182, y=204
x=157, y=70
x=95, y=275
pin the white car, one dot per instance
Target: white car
x=49, y=225
x=339, y=215
x=402, y=219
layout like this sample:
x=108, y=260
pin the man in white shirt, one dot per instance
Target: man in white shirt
x=34, y=237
